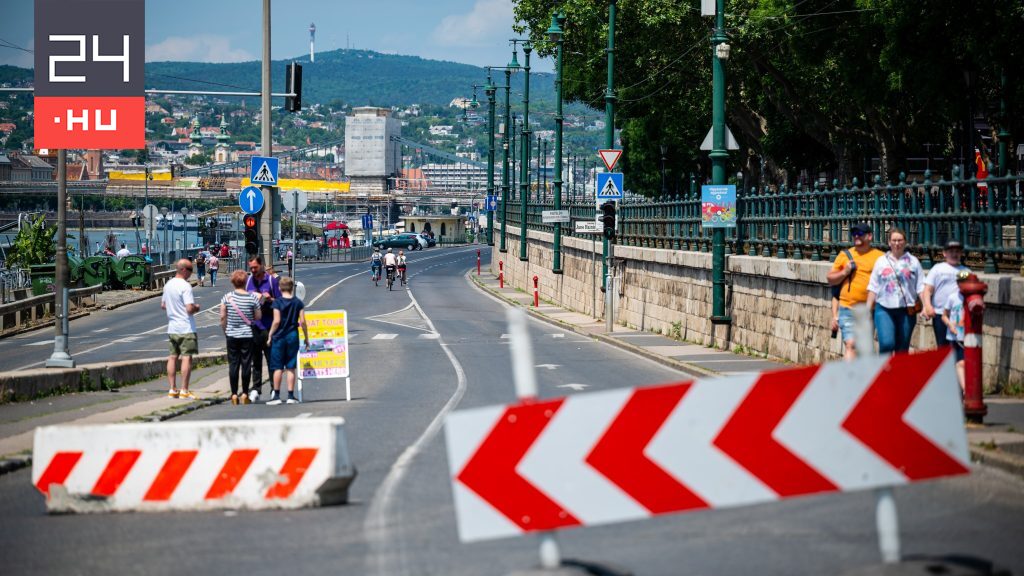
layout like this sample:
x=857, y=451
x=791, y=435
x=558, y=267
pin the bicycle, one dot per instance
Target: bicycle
x=401, y=274
x=391, y=276
x=376, y=275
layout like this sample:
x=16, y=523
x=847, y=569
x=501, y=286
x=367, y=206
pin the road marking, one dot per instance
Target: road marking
x=305, y=415
x=548, y=366
x=377, y=526
x=557, y=335
x=429, y=336
x=385, y=337
x=504, y=336
x=40, y=343
x=574, y=387
x=100, y=330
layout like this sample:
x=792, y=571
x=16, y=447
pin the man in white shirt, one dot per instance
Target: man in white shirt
x=181, y=307
x=939, y=285
x=124, y=251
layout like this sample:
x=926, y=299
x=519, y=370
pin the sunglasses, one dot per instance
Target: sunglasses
x=857, y=234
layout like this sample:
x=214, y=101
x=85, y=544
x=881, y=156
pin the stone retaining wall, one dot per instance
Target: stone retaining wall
x=778, y=307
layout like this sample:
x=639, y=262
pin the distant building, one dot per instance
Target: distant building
x=371, y=154
x=29, y=168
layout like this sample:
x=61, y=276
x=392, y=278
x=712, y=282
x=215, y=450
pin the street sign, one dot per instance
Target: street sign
x=633, y=453
x=609, y=186
x=289, y=198
x=150, y=215
x=589, y=227
x=550, y=216
x=89, y=85
x=492, y=203
x=610, y=158
x=367, y=221
x=730, y=140
x=263, y=170
x=250, y=200
x=718, y=206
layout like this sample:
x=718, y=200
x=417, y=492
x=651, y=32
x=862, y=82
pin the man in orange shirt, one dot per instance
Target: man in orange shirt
x=851, y=272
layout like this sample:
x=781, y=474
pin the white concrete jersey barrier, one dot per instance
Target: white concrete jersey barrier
x=226, y=464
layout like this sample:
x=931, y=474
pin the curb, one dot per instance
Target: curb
x=996, y=458
x=691, y=369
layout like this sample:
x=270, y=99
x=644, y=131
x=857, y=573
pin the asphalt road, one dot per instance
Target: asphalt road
x=447, y=350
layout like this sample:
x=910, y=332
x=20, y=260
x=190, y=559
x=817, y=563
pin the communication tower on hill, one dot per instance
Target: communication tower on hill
x=312, y=38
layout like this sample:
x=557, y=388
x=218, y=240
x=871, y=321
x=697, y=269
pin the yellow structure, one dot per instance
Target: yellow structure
x=140, y=175
x=307, y=185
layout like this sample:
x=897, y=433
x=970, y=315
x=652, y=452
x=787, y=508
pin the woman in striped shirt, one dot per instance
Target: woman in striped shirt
x=238, y=310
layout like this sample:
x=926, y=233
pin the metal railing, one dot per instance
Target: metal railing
x=987, y=216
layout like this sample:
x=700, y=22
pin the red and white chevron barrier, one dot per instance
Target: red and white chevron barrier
x=629, y=454
x=281, y=463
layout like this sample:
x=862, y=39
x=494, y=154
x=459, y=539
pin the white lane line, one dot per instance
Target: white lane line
x=40, y=343
x=305, y=415
x=377, y=526
x=557, y=335
x=504, y=336
x=100, y=330
x=429, y=336
x=385, y=337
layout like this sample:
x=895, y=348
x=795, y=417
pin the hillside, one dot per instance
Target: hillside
x=357, y=77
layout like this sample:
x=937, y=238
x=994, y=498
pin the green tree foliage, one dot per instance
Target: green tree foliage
x=34, y=244
x=816, y=85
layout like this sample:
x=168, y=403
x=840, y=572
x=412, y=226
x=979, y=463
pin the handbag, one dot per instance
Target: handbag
x=917, y=306
x=239, y=311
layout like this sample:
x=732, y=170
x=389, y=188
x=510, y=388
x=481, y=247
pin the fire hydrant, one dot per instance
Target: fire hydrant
x=973, y=291
x=501, y=273
x=536, y=293
x=477, y=261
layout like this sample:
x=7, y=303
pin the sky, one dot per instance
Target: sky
x=467, y=31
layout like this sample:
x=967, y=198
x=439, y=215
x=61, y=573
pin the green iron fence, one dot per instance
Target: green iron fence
x=812, y=222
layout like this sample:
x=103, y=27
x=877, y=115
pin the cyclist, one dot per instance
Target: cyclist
x=401, y=265
x=375, y=263
x=390, y=261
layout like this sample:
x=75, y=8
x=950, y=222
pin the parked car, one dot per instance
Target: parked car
x=429, y=239
x=407, y=240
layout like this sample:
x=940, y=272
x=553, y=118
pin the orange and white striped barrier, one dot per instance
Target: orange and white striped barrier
x=252, y=464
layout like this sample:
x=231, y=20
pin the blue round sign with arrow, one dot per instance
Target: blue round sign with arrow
x=251, y=200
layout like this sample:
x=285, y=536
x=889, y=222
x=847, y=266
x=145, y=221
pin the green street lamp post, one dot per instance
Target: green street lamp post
x=609, y=128
x=524, y=176
x=555, y=35
x=489, y=90
x=719, y=155
x=512, y=66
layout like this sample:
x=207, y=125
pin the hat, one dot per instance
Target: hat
x=954, y=245
x=860, y=228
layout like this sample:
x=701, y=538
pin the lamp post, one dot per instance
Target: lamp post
x=555, y=35
x=489, y=90
x=512, y=66
x=524, y=180
x=719, y=154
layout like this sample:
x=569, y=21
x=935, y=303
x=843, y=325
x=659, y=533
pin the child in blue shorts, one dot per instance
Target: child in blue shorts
x=283, y=339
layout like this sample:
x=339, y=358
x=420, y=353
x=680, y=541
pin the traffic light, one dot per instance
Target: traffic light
x=608, y=219
x=252, y=235
x=293, y=85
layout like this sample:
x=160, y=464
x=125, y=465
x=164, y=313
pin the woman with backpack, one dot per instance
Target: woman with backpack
x=239, y=309
x=201, y=265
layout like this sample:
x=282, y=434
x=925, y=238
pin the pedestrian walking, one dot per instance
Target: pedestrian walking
x=290, y=258
x=939, y=285
x=239, y=309
x=283, y=339
x=851, y=273
x=201, y=258
x=268, y=287
x=181, y=307
x=894, y=290
x=953, y=319
x=214, y=264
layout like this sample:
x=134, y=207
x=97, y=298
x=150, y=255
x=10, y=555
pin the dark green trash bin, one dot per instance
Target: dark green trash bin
x=42, y=278
x=132, y=271
x=74, y=270
x=96, y=270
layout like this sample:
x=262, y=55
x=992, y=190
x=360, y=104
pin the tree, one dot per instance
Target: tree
x=34, y=244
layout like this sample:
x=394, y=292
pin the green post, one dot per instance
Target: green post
x=555, y=33
x=489, y=90
x=609, y=128
x=719, y=155
x=504, y=145
x=524, y=174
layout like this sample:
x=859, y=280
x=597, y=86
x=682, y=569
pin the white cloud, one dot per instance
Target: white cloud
x=487, y=20
x=199, y=48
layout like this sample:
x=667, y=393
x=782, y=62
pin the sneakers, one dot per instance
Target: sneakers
x=234, y=399
x=254, y=395
x=291, y=400
x=187, y=394
x=172, y=393
x=275, y=399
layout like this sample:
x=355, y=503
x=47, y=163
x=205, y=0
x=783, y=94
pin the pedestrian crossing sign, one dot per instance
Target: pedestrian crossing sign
x=263, y=170
x=609, y=186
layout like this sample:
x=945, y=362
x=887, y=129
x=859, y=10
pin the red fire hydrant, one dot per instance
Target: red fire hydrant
x=536, y=293
x=478, y=262
x=973, y=291
x=501, y=273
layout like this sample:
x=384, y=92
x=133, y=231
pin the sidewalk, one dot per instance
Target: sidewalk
x=999, y=442
x=145, y=401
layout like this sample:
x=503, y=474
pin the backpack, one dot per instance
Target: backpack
x=838, y=289
x=200, y=259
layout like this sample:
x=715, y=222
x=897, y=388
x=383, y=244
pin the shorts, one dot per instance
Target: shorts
x=184, y=344
x=958, y=349
x=284, y=351
x=846, y=323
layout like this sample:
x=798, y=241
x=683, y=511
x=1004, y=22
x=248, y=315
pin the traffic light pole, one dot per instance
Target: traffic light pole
x=609, y=128
x=266, y=221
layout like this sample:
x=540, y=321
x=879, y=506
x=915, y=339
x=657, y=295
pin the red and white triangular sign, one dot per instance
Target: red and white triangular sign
x=610, y=158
